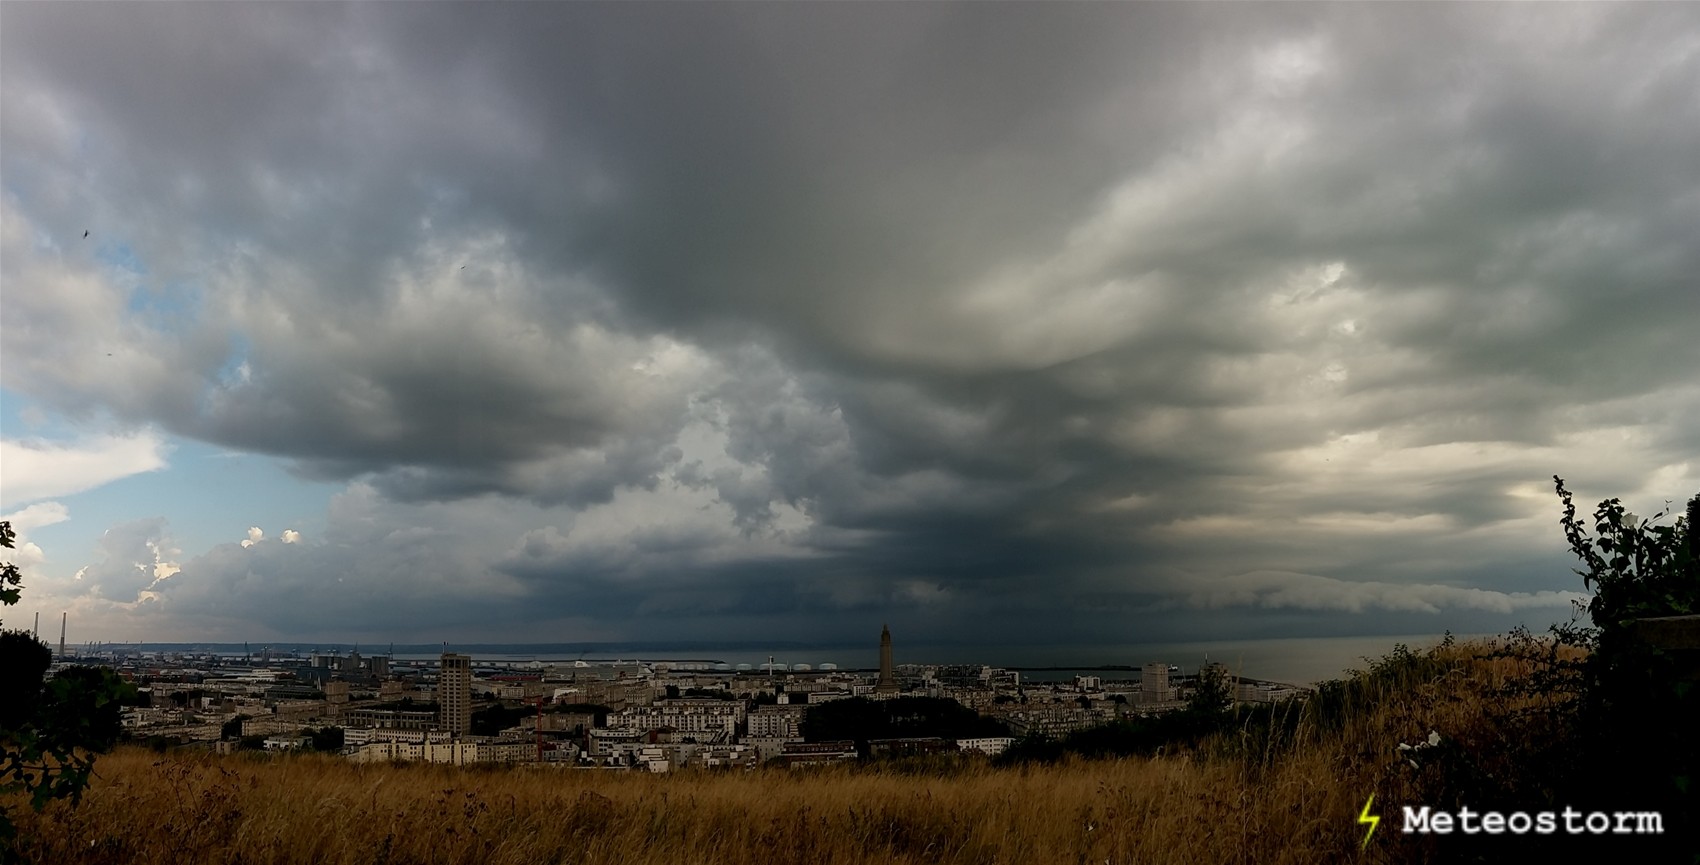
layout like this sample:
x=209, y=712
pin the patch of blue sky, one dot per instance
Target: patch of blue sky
x=235, y=369
x=117, y=255
x=233, y=373
x=207, y=495
x=22, y=419
x=13, y=423
x=161, y=305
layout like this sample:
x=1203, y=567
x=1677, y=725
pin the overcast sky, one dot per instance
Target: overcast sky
x=994, y=321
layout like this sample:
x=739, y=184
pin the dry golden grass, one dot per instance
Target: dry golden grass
x=1292, y=804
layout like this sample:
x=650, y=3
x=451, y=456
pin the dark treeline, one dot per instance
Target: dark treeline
x=861, y=719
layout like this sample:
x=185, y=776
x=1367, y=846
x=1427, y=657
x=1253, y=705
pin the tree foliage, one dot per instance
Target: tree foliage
x=50, y=728
x=327, y=739
x=492, y=720
x=1606, y=720
x=1208, y=713
x=232, y=728
x=861, y=719
x=11, y=580
x=1635, y=568
x=1213, y=696
x=1636, y=703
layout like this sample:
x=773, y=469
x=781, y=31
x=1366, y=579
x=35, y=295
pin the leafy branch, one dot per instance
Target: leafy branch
x=50, y=729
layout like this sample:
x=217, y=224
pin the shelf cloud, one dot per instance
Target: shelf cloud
x=688, y=320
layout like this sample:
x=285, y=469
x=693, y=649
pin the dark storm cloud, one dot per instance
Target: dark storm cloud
x=1012, y=307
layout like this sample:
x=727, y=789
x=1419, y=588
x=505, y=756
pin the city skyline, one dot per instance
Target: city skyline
x=1301, y=661
x=1006, y=324
x=456, y=709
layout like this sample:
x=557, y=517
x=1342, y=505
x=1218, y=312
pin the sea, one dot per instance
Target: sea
x=1297, y=661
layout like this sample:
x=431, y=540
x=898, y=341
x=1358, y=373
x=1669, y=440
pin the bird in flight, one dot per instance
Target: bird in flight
x=85, y=232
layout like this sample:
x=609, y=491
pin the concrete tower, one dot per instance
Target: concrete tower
x=1154, y=684
x=454, y=694
x=888, y=681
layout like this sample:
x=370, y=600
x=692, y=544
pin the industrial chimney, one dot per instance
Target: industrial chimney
x=62, y=618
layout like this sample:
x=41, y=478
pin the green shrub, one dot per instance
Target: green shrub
x=50, y=728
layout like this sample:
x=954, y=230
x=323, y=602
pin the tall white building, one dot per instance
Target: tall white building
x=1154, y=684
x=776, y=723
x=454, y=694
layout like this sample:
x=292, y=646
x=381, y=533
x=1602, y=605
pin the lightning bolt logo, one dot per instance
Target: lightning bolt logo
x=1372, y=819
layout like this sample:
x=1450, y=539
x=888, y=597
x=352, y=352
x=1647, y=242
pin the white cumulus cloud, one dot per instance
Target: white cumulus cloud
x=29, y=554
x=36, y=470
x=37, y=515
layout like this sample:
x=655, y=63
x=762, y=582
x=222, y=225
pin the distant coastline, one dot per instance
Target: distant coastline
x=1297, y=660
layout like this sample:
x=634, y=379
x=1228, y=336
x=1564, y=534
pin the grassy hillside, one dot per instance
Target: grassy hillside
x=1281, y=787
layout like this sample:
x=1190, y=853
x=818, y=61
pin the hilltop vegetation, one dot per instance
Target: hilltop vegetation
x=50, y=726
x=1273, y=786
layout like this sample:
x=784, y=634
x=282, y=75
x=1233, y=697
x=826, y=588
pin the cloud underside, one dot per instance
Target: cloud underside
x=1312, y=592
x=608, y=317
